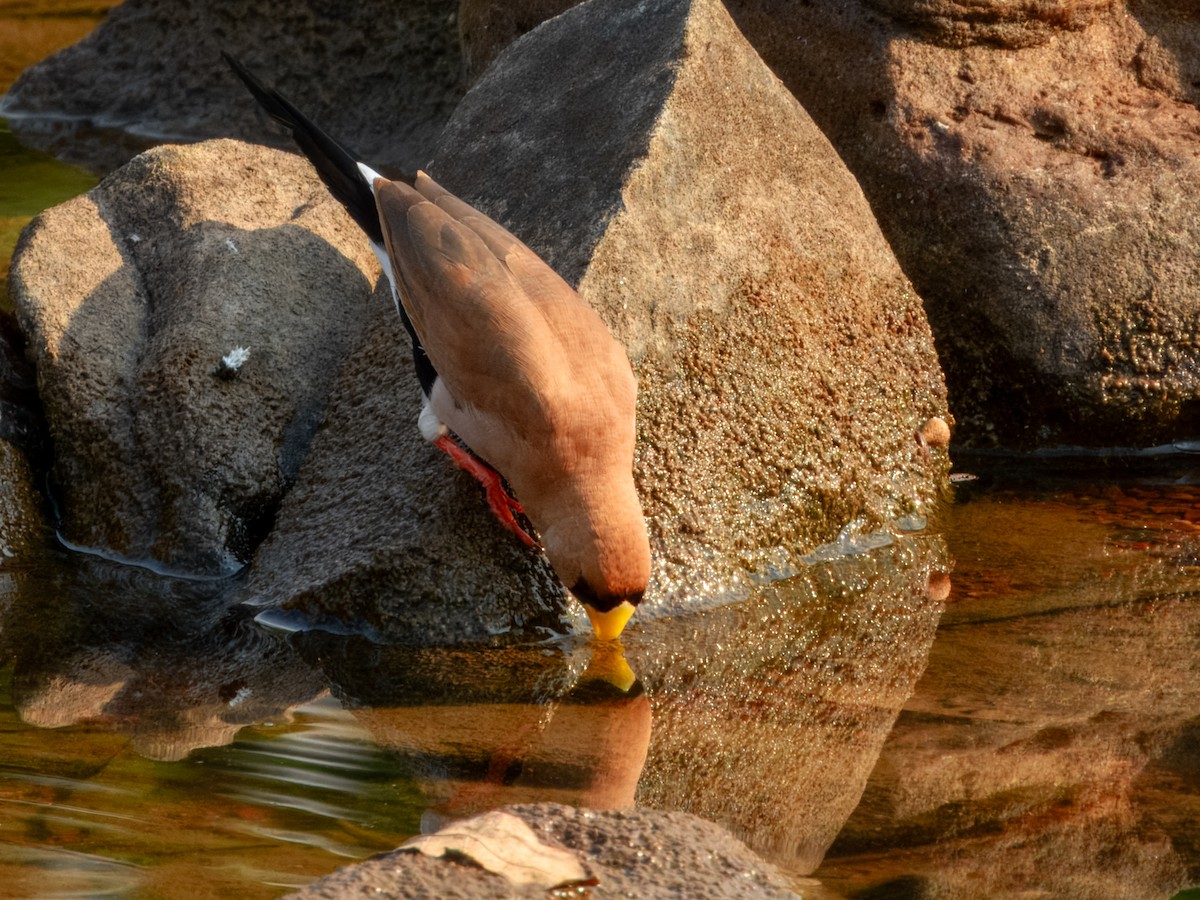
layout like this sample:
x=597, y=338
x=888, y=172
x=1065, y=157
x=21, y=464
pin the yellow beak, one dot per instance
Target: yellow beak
x=608, y=664
x=609, y=625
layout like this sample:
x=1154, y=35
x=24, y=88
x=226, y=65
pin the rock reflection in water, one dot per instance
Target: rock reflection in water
x=769, y=715
x=1053, y=745
x=162, y=660
x=483, y=728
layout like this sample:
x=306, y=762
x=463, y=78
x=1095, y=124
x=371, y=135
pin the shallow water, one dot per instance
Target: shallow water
x=1036, y=728
x=1004, y=704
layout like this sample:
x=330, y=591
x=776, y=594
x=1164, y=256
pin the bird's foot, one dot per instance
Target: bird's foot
x=503, y=504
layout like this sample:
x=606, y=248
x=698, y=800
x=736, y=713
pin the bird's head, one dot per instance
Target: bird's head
x=602, y=554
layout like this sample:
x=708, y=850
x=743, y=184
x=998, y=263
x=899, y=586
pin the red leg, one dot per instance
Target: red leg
x=501, y=502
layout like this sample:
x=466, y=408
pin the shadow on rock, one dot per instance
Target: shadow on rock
x=187, y=317
x=162, y=660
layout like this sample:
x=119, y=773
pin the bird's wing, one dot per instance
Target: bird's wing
x=582, y=336
x=486, y=338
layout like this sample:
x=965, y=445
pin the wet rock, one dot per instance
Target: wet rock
x=783, y=359
x=140, y=298
x=384, y=77
x=633, y=853
x=1030, y=165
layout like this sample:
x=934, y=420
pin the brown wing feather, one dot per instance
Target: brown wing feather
x=582, y=335
x=487, y=340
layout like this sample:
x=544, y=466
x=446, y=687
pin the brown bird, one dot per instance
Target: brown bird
x=522, y=380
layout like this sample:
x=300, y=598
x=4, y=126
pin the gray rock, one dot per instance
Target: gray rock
x=385, y=76
x=133, y=294
x=783, y=359
x=383, y=533
x=22, y=509
x=633, y=853
x=1033, y=167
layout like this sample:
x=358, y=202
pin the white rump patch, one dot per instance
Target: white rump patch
x=369, y=174
x=431, y=426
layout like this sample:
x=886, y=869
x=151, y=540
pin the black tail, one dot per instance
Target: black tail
x=334, y=163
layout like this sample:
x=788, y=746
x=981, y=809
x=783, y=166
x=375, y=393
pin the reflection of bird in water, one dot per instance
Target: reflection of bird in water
x=587, y=748
x=522, y=381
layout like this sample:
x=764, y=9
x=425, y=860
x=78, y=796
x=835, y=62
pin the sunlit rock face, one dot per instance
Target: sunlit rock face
x=187, y=318
x=382, y=75
x=1032, y=166
x=783, y=359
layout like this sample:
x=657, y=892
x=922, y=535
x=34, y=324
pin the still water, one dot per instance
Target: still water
x=1005, y=703
x=1026, y=725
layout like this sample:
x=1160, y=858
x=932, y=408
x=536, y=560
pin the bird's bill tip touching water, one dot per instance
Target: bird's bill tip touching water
x=609, y=624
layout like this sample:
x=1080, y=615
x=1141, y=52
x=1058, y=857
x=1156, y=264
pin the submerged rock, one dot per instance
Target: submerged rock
x=1032, y=165
x=632, y=853
x=784, y=361
x=187, y=318
x=385, y=76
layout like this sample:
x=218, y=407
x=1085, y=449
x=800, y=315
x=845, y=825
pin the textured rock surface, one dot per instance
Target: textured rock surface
x=783, y=359
x=382, y=531
x=384, y=76
x=132, y=294
x=1032, y=167
x=486, y=28
x=23, y=453
x=633, y=853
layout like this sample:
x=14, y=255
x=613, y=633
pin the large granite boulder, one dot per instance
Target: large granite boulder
x=384, y=75
x=783, y=359
x=141, y=299
x=1032, y=166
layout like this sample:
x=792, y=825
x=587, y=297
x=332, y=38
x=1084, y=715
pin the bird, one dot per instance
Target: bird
x=523, y=385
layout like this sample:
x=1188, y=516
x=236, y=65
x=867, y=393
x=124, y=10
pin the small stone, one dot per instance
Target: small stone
x=935, y=432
